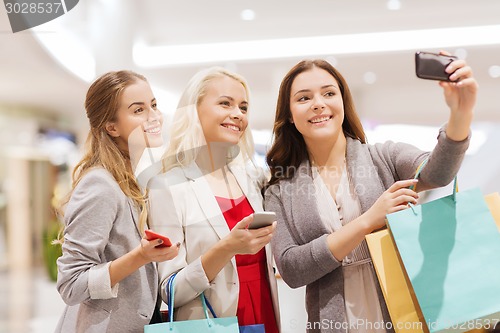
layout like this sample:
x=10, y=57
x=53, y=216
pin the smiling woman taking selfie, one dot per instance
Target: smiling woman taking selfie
x=332, y=188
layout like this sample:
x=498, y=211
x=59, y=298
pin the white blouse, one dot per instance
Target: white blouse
x=360, y=292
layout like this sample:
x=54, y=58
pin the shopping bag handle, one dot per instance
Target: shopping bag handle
x=417, y=174
x=170, y=303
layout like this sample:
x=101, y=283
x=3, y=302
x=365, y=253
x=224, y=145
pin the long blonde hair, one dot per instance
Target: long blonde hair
x=101, y=105
x=186, y=136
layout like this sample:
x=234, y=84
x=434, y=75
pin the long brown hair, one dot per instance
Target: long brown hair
x=289, y=149
x=101, y=105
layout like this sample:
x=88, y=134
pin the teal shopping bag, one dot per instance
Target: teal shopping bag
x=208, y=325
x=450, y=249
x=256, y=328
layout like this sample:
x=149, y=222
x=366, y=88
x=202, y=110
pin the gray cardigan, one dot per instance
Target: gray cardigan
x=101, y=226
x=299, y=244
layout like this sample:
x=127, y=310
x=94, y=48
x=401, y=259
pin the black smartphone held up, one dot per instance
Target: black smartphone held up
x=431, y=66
x=262, y=219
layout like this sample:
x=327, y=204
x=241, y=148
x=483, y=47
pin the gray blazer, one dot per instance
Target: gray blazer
x=102, y=225
x=299, y=243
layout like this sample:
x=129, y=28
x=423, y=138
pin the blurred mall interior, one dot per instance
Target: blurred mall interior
x=45, y=72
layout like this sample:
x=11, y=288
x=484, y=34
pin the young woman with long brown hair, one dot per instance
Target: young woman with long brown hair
x=329, y=189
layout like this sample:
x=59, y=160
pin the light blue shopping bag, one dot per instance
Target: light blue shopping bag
x=209, y=325
x=215, y=324
x=450, y=249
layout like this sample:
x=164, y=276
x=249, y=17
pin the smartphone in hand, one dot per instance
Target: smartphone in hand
x=151, y=235
x=262, y=219
x=431, y=66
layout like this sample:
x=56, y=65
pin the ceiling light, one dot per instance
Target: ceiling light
x=370, y=77
x=494, y=71
x=247, y=15
x=422, y=137
x=393, y=5
x=171, y=55
x=67, y=49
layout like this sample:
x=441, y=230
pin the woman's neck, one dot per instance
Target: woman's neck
x=329, y=153
x=213, y=156
x=133, y=159
x=212, y=161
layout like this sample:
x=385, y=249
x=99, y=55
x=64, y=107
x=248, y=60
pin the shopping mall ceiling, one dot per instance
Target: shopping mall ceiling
x=372, y=42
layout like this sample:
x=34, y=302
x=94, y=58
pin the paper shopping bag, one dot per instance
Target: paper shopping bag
x=450, y=248
x=404, y=311
x=493, y=202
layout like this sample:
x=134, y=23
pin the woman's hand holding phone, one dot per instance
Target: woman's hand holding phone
x=262, y=219
x=460, y=88
x=156, y=247
x=244, y=240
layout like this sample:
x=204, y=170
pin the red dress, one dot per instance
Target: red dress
x=255, y=304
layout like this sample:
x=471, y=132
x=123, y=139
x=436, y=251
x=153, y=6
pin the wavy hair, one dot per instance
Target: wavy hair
x=283, y=161
x=101, y=105
x=186, y=135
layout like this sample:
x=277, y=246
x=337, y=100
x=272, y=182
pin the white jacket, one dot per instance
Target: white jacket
x=183, y=207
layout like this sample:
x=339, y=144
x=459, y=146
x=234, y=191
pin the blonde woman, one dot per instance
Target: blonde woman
x=107, y=274
x=206, y=200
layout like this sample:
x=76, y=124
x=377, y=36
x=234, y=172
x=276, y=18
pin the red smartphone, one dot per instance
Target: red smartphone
x=151, y=235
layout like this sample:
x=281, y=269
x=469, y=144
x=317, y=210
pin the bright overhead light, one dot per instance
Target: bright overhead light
x=67, y=49
x=393, y=5
x=247, y=15
x=494, y=71
x=422, y=137
x=370, y=77
x=171, y=55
